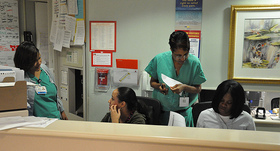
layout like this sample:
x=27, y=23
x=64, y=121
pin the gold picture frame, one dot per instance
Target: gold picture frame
x=253, y=49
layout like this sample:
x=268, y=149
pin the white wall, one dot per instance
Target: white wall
x=143, y=29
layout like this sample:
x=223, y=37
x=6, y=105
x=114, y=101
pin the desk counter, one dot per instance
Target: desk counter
x=267, y=124
x=77, y=135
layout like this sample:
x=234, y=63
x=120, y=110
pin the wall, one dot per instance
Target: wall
x=143, y=29
x=215, y=41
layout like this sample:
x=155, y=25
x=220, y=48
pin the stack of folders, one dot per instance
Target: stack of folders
x=7, y=71
x=11, y=83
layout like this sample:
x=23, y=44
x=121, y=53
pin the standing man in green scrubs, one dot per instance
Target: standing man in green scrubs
x=179, y=65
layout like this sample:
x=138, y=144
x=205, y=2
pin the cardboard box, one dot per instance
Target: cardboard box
x=13, y=97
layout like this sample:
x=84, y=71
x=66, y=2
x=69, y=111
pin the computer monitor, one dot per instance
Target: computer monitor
x=253, y=97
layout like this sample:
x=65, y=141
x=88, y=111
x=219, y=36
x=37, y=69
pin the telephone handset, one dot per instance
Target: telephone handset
x=28, y=36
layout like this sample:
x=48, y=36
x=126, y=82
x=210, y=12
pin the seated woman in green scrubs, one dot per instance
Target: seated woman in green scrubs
x=42, y=99
x=123, y=107
x=179, y=65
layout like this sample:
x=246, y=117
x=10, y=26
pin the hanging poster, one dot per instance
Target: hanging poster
x=188, y=14
x=101, y=59
x=195, y=36
x=103, y=35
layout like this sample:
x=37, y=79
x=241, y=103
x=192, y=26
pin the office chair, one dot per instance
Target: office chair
x=247, y=108
x=206, y=95
x=151, y=108
x=199, y=107
x=275, y=103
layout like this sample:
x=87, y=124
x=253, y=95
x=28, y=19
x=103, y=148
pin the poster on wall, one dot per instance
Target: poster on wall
x=188, y=19
x=195, y=36
x=101, y=59
x=188, y=14
x=102, y=35
x=9, y=31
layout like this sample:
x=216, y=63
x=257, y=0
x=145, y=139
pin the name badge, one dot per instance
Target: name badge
x=184, y=101
x=40, y=89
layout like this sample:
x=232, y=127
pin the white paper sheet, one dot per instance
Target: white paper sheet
x=101, y=58
x=47, y=121
x=66, y=39
x=54, y=29
x=59, y=39
x=80, y=32
x=70, y=25
x=18, y=121
x=169, y=81
x=72, y=7
x=176, y=119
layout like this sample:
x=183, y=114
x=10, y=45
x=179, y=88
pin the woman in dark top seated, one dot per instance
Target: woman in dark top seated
x=123, y=107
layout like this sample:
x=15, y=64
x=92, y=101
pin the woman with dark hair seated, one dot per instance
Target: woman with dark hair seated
x=227, y=109
x=123, y=107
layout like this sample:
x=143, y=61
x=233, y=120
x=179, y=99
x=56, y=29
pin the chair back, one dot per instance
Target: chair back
x=151, y=108
x=199, y=107
x=275, y=103
x=246, y=108
x=206, y=95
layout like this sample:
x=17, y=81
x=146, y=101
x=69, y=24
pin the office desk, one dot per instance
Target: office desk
x=267, y=124
x=77, y=135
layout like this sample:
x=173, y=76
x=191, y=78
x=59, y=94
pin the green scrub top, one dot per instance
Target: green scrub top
x=191, y=73
x=45, y=105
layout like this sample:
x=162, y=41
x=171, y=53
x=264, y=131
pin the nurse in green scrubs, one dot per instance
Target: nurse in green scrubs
x=179, y=65
x=42, y=99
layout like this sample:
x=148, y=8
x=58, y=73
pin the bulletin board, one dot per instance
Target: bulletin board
x=68, y=24
x=9, y=31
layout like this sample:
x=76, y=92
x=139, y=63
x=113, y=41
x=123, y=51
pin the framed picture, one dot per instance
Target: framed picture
x=254, y=44
x=103, y=35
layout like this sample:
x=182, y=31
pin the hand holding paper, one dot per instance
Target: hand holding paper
x=178, y=88
x=169, y=81
x=175, y=86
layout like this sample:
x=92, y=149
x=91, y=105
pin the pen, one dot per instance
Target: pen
x=162, y=87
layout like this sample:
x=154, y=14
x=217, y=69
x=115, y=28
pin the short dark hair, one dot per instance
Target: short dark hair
x=237, y=93
x=26, y=55
x=179, y=40
x=127, y=95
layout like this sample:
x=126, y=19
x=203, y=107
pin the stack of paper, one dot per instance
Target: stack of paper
x=28, y=121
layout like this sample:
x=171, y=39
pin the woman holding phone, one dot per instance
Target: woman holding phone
x=123, y=107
